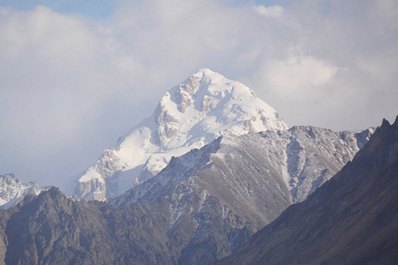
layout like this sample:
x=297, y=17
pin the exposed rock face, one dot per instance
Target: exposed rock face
x=309, y=156
x=352, y=219
x=191, y=115
x=13, y=191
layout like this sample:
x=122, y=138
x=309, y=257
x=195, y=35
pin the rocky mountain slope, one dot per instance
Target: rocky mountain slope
x=191, y=115
x=13, y=191
x=200, y=208
x=219, y=195
x=352, y=219
x=308, y=156
x=52, y=229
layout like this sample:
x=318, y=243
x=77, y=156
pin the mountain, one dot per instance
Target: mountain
x=301, y=158
x=217, y=196
x=52, y=229
x=13, y=191
x=190, y=115
x=212, y=166
x=351, y=219
x=202, y=207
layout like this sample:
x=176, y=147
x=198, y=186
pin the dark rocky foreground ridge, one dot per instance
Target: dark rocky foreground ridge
x=202, y=207
x=52, y=229
x=352, y=219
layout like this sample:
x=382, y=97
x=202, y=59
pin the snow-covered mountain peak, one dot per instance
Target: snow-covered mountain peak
x=206, y=71
x=13, y=191
x=206, y=104
x=190, y=115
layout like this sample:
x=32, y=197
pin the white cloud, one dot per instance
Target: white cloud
x=58, y=81
x=70, y=85
x=298, y=72
x=269, y=11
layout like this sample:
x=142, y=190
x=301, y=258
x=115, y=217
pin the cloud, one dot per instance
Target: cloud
x=72, y=84
x=57, y=77
x=270, y=11
x=298, y=72
x=301, y=84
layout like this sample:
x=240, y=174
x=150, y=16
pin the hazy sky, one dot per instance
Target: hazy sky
x=76, y=75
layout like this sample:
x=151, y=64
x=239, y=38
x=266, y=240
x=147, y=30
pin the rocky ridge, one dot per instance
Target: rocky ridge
x=351, y=219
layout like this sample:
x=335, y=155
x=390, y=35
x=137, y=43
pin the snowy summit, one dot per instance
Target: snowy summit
x=190, y=115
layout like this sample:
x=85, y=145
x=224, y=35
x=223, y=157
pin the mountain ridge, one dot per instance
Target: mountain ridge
x=351, y=219
x=12, y=190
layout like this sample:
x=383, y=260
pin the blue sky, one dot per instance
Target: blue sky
x=76, y=75
x=93, y=8
x=103, y=8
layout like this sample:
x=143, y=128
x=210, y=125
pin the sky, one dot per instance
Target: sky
x=77, y=75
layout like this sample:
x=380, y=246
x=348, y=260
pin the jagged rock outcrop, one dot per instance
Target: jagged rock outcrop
x=351, y=219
